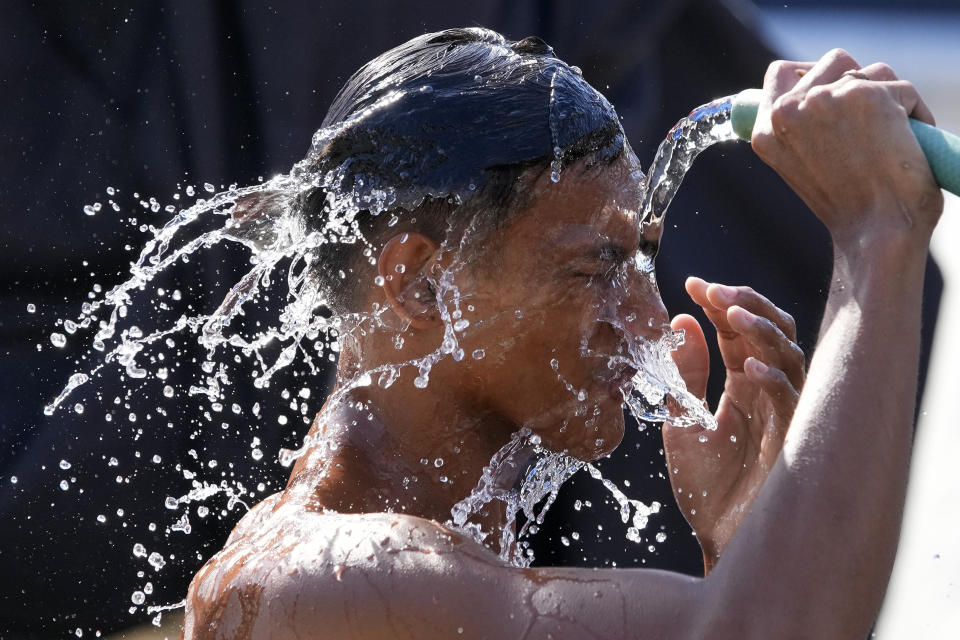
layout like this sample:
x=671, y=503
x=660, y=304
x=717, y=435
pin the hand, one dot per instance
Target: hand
x=717, y=474
x=838, y=135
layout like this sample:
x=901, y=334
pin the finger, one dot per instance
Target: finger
x=697, y=288
x=777, y=386
x=879, y=71
x=903, y=91
x=724, y=296
x=692, y=357
x=772, y=347
x=782, y=76
x=828, y=69
x=906, y=94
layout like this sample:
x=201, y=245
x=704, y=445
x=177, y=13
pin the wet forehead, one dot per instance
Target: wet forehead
x=591, y=208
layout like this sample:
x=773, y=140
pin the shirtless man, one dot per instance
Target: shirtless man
x=804, y=491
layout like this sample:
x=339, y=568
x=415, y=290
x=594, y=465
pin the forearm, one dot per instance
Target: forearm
x=822, y=534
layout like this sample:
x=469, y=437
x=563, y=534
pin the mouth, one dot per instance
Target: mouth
x=619, y=380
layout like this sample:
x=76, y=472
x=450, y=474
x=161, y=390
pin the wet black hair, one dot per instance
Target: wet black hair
x=450, y=122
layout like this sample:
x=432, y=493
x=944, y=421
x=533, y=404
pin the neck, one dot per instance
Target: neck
x=401, y=449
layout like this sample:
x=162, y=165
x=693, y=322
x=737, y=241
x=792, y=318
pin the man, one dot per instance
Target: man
x=550, y=268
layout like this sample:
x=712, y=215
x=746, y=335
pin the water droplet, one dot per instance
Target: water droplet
x=13, y=480
x=101, y=518
x=661, y=537
x=168, y=391
x=438, y=463
x=420, y=382
x=64, y=485
x=202, y=511
x=139, y=551
x=171, y=502
x=78, y=408
x=156, y=561
x=31, y=308
x=379, y=281
x=460, y=325
x=478, y=354
x=89, y=210
x=58, y=340
x=209, y=188
x=138, y=597
x=256, y=454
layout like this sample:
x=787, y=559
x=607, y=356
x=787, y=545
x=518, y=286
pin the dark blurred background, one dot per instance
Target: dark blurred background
x=148, y=97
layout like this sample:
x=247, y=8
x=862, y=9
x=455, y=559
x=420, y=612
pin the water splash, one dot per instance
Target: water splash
x=705, y=126
x=266, y=219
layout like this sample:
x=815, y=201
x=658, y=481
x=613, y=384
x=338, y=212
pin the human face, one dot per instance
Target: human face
x=558, y=295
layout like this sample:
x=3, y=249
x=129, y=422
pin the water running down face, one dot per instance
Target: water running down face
x=552, y=301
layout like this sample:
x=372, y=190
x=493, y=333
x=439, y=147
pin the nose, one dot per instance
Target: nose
x=636, y=308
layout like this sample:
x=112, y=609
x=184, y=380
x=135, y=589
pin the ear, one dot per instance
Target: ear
x=403, y=265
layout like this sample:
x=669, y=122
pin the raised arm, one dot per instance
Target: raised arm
x=813, y=556
x=817, y=549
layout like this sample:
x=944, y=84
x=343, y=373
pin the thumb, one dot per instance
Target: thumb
x=692, y=357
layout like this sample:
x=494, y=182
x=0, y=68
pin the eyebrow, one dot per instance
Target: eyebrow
x=587, y=241
x=611, y=251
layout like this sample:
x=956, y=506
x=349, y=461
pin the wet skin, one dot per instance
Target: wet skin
x=782, y=506
x=553, y=298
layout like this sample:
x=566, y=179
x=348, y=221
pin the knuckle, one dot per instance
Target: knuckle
x=840, y=55
x=784, y=112
x=884, y=70
x=797, y=355
x=818, y=97
x=788, y=322
x=776, y=68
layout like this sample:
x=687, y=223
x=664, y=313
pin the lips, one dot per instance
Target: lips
x=619, y=379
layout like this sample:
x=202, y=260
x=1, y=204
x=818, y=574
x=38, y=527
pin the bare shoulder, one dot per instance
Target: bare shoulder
x=286, y=569
x=287, y=572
